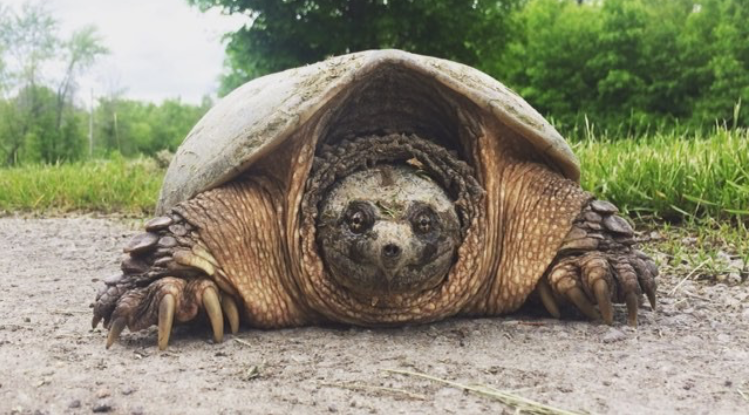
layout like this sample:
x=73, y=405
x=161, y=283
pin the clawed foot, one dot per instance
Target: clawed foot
x=168, y=299
x=167, y=276
x=597, y=265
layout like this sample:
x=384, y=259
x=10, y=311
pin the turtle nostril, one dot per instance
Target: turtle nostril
x=391, y=251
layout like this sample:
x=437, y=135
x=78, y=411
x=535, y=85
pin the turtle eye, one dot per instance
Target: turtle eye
x=423, y=222
x=359, y=217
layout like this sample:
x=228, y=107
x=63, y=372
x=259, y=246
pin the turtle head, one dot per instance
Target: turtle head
x=388, y=230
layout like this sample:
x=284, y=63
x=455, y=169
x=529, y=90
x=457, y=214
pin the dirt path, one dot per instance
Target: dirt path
x=692, y=357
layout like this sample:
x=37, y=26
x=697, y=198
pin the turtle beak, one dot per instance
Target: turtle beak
x=392, y=247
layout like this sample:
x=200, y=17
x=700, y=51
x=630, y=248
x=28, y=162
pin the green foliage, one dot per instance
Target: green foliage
x=670, y=176
x=114, y=185
x=30, y=37
x=628, y=66
x=38, y=118
x=632, y=65
x=133, y=127
x=290, y=33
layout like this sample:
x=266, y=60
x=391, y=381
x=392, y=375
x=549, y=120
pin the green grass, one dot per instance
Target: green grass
x=679, y=179
x=708, y=248
x=671, y=177
x=116, y=185
x=690, y=194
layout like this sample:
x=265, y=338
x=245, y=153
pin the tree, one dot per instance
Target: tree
x=80, y=52
x=632, y=65
x=717, y=47
x=4, y=18
x=38, y=115
x=132, y=127
x=29, y=39
x=289, y=33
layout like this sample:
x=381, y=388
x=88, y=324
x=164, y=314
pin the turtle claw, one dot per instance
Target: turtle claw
x=95, y=321
x=167, y=307
x=603, y=297
x=577, y=296
x=115, y=330
x=231, y=311
x=213, y=309
x=632, y=306
x=547, y=298
x=650, y=293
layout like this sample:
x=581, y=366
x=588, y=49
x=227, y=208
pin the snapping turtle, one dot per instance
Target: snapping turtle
x=378, y=188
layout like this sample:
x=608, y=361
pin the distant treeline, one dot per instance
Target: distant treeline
x=623, y=68
x=42, y=116
x=629, y=66
x=117, y=125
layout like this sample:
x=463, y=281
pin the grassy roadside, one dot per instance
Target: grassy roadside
x=662, y=177
x=671, y=177
x=702, y=250
x=116, y=185
x=688, y=195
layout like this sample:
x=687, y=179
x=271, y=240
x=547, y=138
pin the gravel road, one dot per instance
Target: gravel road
x=691, y=357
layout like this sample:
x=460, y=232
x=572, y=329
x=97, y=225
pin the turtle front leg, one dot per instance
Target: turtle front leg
x=167, y=274
x=597, y=264
x=221, y=253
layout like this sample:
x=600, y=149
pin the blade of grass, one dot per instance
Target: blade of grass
x=364, y=387
x=512, y=400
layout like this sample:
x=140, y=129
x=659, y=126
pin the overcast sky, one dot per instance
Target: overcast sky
x=158, y=48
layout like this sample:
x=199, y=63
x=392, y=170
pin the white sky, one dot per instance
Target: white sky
x=157, y=48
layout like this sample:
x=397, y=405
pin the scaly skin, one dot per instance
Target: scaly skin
x=248, y=245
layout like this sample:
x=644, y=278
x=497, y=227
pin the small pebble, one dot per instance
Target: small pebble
x=655, y=236
x=734, y=278
x=103, y=393
x=689, y=240
x=613, y=335
x=102, y=406
x=737, y=264
x=75, y=404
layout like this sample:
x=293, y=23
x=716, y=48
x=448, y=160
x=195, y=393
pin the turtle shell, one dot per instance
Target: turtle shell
x=256, y=117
